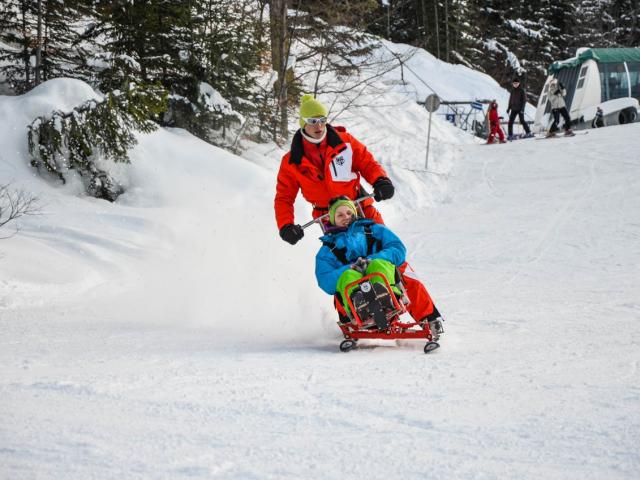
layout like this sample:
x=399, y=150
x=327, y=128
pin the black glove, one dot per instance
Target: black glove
x=291, y=233
x=383, y=189
x=508, y=110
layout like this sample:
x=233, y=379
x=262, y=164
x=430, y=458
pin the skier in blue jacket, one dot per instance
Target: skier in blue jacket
x=354, y=247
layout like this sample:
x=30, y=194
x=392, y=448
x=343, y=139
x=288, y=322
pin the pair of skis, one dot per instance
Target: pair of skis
x=520, y=136
x=582, y=132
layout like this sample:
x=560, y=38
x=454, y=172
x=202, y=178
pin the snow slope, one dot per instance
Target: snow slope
x=174, y=335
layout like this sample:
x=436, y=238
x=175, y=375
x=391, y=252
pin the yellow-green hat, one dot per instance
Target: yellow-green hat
x=338, y=203
x=311, y=108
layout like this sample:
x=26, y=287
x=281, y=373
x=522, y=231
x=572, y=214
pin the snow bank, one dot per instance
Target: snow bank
x=192, y=243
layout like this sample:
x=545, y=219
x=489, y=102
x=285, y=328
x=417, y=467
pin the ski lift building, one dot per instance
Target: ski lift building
x=608, y=78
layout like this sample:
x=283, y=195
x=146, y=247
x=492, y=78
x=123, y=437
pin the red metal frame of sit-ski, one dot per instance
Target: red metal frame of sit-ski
x=397, y=329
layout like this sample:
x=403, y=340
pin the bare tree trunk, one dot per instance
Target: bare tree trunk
x=278, y=24
x=435, y=8
x=26, y=56
x=425, y=24
x=635, y=31
x=389, y=20
x=446, y=29
x=39, y=44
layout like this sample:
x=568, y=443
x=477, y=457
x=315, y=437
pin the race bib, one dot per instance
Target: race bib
x=341, y=166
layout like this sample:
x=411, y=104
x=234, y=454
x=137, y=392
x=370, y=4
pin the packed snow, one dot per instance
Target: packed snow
x=172, y=334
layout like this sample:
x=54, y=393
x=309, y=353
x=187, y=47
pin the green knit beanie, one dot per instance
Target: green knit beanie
x=311, y=108
x=338, y=203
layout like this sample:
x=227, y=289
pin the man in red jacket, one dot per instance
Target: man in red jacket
x=325, y=162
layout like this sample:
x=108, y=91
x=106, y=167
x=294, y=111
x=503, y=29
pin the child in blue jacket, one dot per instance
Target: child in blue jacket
x=354, y=247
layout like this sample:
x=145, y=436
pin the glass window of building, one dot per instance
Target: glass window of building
x=634, y=74
x=613, y=80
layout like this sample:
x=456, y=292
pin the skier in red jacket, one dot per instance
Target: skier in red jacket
x=494, y=122
x=326, y=162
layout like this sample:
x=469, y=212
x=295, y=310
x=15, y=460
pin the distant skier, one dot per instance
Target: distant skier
x=517, y=104
x=494, y=123
x=598, y=120
x=557, y=93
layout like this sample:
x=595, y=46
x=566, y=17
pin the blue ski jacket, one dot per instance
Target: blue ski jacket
x=363, y=238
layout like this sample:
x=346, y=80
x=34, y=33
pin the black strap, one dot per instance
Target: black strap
x=373, y=244
x=340, y=253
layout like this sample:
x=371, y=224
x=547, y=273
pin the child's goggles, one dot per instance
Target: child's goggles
x=315, y=121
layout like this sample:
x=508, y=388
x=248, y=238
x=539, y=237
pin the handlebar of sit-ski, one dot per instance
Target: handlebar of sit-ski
x=326, y=215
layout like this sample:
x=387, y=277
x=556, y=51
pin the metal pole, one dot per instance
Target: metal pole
x=426, y=163
x=326, y=215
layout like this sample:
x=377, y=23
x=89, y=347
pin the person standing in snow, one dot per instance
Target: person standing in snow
x=517, y=104
x=324, y=162
x=353, y=247
x=598, y=120
x=557, y=93
x=494, y=123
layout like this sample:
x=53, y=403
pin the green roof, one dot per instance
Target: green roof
x=601, y=55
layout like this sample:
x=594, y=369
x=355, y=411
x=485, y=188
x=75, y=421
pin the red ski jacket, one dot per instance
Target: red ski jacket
x=323, y=171
x=493, y=115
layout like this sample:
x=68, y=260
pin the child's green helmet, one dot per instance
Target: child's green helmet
x=334, y=203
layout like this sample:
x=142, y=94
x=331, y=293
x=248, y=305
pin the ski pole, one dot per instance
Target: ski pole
x=326, y=215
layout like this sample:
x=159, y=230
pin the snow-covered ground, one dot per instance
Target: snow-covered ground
x=174, y=335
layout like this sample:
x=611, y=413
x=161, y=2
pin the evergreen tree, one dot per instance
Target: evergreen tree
x=39, y=41
x=192, y=49
x=148, y=39
x=18, y=37
x=229, y=44
x=65, y=142
x=627, y=24
x=593, y=24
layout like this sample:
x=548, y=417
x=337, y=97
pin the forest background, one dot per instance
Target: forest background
x=228, y=70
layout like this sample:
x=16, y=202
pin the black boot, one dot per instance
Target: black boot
x=382, y=295
x=360, y=305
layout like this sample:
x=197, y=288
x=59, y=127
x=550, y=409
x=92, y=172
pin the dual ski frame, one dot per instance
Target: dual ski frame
x=396, y=329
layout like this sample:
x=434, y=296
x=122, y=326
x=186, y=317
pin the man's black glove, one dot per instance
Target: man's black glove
x=383, y=189
x=291, y=233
